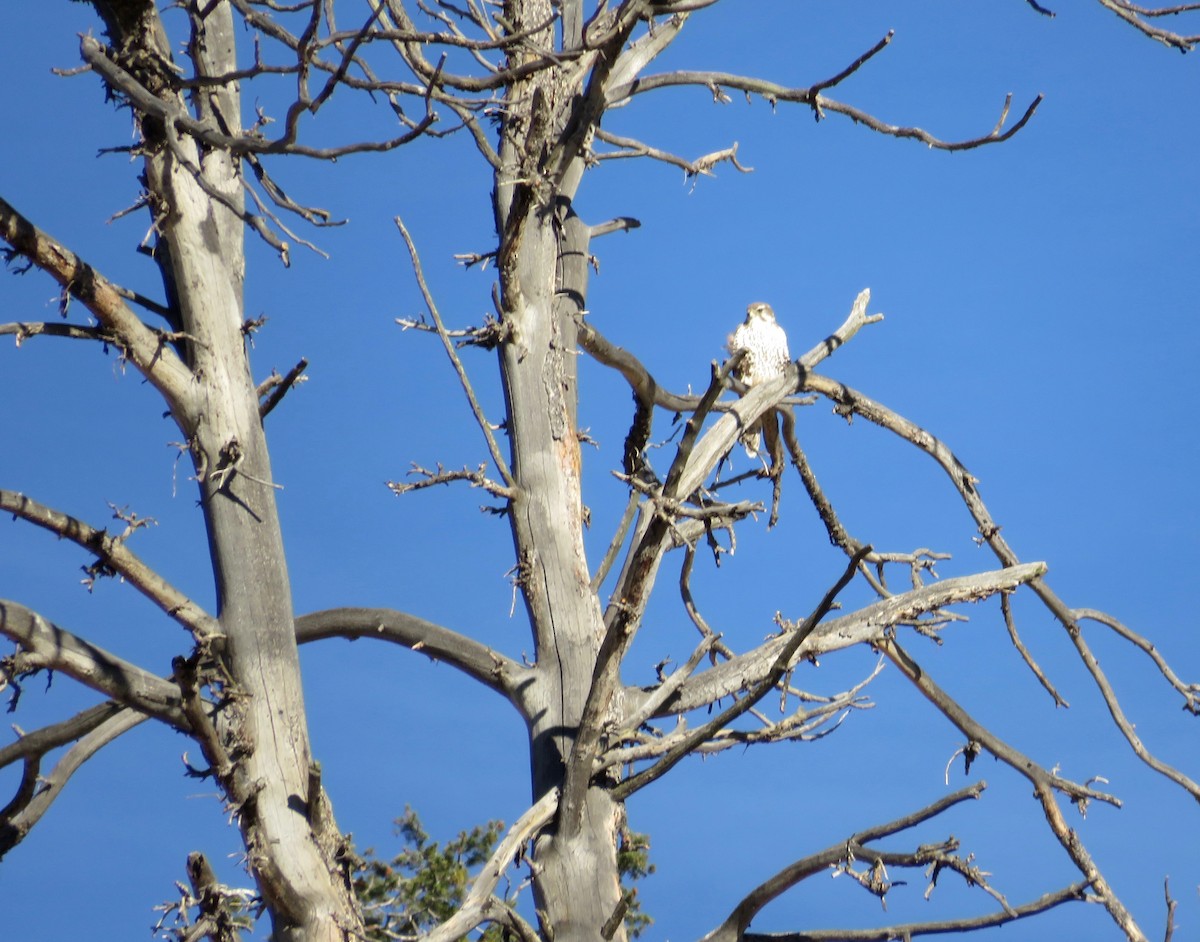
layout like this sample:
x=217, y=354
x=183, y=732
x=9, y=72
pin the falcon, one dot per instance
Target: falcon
x=766, y=357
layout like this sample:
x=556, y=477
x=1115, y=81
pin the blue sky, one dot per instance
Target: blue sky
x=1040, y=316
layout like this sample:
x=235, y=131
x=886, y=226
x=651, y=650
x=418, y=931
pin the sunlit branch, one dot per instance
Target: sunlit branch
x=489, y=667
x=618, y=541
x=177, y=117
x=977, y=732
x=415, y=59
x=34, y=745
x=621, y=621
x=855, y=65
x=867, y=625
x=620, y=224
x=46, y=646
x=1190, y=692
x=634, y=148
x=475, y=904
x=565, y=162
x=689, y=602
x=663, y=692
x=497, y=911
x=256, y=223
x=1045, y=783
x=780, y=665
x=331, y=83
x=147, y=349
x=804, y=723
x=1074, y=892
x=1161, y=11
x=1121, y=721
x=851, y=402
x=642, y=51
x=427, y=478
x=23, y=330
x=676, y=485
x=773, y=93
x=1133, y=14
x=629, y=366
x=113, y=555
x=873, y=566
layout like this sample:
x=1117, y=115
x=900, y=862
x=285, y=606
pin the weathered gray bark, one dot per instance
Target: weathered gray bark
x=257, y=742
x=543, y=283
x=239, y=694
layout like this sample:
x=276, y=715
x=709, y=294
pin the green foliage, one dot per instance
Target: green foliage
x=633, y=863
x=425, y=883
x=422, y=885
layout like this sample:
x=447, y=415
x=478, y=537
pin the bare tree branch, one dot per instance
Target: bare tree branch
x=1011, y=625
x=755, y=692
x=1133, y=15
x=855, y=65
x=642, y=51
x=177, y=117
x=867, y=625
x=977, y=732
x=1171, y=905
x=733, y=929
x=624, y=615
x=23, y=330
x=46, y=646
x=427, y=478
x=701, y=166
x=1045, y=784
x=476, y=660
x=851, y=402
x=1190, y=692
x=773, y=93
x=275, y=387
x=475, y=904
x=145, y=348
x=476, y=408
x=1076, y=891
x=116, y=559
x=414, y=57
x=618, y=540
x=27, y=808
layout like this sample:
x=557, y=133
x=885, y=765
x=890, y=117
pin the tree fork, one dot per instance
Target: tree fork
x=542, y=263
x=197, y=196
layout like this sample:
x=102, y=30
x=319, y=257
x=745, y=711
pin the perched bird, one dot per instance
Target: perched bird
x=766, y=357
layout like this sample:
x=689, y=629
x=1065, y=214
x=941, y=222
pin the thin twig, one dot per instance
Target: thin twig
x=115, y=557
x=751, y=697
x=476, y=409
x=774, y=92
x=279, y=386
x=1011, y=625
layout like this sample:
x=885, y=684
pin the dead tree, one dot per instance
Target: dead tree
x=528, y=82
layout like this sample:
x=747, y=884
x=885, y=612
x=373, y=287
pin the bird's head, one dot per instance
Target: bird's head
x=760, y=311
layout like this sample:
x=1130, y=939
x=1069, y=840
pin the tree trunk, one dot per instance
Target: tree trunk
x=576, y=882
x=256, y=738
